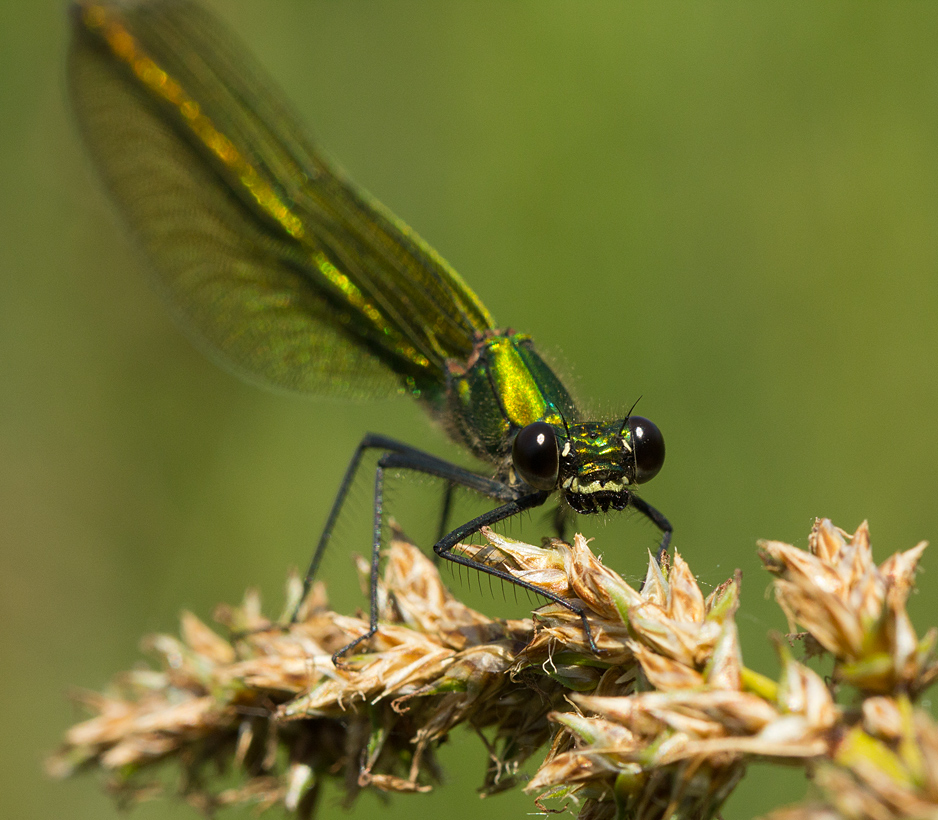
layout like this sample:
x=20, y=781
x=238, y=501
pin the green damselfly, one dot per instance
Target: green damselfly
x=296, y=279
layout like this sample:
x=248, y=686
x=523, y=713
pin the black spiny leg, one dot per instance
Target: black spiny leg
x=369, y=442
x=412, y=459
x=402, y=457
x=658, y=520
x=444, y=548
x=447, y=508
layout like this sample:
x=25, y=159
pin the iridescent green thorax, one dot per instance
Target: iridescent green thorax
x=504, y=386
x=597, y=466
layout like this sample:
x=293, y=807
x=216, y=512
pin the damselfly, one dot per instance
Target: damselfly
x=296, y=279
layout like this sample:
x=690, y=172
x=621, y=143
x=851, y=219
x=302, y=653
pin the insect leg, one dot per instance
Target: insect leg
x=412, y=459
x=444, y=548
x=371, y=441
x=447, y=509
x=404, y=457
x=658, y=520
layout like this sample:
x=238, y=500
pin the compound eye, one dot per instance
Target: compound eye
x=535, y=457
x=647, y=447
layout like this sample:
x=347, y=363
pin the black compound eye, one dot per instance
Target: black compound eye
x=535, y=457
x=647, y=447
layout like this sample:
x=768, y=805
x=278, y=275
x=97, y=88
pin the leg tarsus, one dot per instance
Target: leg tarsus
x=337, y=656
x=589, y=633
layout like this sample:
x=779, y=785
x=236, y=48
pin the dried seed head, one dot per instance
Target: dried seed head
x=854, y=609
x=661, y=722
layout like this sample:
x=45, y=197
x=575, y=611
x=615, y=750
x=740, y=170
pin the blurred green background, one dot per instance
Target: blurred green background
x=729, y=209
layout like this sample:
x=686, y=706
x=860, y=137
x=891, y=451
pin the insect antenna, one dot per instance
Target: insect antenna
x=628, y=415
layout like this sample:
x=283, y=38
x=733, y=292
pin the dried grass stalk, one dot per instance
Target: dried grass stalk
x=661, y=723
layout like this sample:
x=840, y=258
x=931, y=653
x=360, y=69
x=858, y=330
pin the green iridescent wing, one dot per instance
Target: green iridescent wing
x=271, y=259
